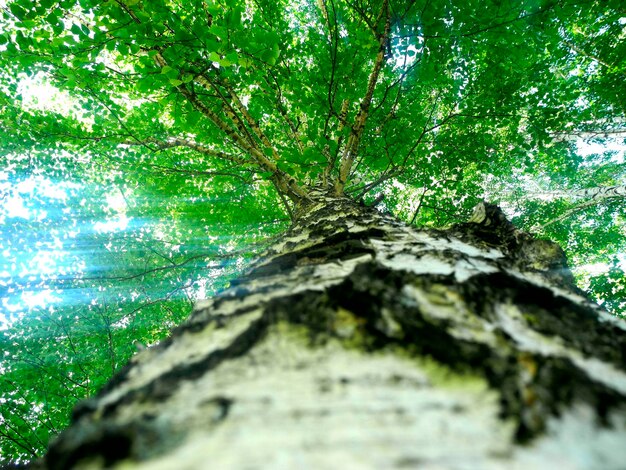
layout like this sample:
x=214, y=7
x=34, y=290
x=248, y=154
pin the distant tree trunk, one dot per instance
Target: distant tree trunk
x=358, y=342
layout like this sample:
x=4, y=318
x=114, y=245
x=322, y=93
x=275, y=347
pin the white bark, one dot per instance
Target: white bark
x=361, y=343
x=595, y=194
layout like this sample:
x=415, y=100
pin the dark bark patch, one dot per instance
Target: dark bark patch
x=108, y=442
x=338, y=247
x=114, y=442
x=576, y=325
x=409, y=462
x=220, y=406
x=532, y=387
x=162, y=387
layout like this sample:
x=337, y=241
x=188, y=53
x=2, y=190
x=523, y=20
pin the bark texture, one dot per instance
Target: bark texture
x=358, y=342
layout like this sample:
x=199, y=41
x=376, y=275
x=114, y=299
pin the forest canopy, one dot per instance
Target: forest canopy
x=150, y=149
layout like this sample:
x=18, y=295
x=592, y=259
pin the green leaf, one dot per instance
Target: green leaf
x=245, y=61
x=232, y=57
x=219, y=32
x=233, y=18
x=313, y=155
x=18, y=11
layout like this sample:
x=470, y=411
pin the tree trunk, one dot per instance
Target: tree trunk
x=358, y=342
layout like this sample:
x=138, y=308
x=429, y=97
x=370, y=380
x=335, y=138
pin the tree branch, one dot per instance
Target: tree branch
x=283, y=112
x=283, y=181
x=349, y=153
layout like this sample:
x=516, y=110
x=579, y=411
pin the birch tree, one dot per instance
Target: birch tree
x=182, y=139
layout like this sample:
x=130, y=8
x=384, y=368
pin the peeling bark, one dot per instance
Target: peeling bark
x=359, y=342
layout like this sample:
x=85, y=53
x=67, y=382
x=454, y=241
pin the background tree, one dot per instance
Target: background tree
x=169, y=115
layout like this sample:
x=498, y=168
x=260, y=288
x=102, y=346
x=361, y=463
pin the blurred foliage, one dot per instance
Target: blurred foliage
x=123, y=200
